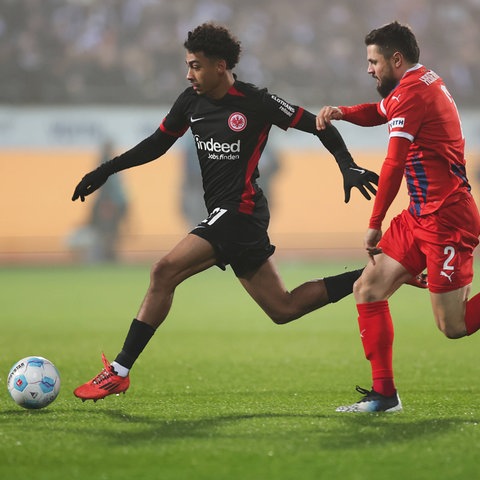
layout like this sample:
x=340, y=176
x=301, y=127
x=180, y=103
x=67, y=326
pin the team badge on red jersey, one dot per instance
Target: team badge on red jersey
x=237, y=121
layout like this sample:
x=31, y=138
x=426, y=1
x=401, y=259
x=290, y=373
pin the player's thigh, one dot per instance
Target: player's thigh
x=191, y=255
x=449, y=310
x=380, y=279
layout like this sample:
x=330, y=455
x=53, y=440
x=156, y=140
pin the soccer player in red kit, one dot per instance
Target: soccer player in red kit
x=440, y=228
x=230, y=121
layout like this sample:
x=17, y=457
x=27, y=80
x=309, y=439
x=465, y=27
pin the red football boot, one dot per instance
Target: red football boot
x=107, y=382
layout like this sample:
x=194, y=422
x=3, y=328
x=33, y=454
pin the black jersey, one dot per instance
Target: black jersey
x=230, y=135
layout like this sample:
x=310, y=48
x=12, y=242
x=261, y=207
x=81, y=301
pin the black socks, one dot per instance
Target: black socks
x=137, y=338
x=341, y=285
x=140, y=333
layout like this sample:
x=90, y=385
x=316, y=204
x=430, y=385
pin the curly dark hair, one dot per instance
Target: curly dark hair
x=395, y=37
x=214, y=41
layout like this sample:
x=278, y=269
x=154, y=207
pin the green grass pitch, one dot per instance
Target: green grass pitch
x=223, y=393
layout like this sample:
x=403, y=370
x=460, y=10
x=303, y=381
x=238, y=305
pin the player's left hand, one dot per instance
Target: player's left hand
x=364, y=180
x=419, y=281
x=371, y=239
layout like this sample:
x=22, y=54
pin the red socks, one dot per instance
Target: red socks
x=472, y=314
x=376, y=331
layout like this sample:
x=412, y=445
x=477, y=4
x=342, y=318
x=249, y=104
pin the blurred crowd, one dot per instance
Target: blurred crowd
x=308, y=51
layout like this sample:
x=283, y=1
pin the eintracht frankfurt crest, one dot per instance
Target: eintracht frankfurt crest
x=237, y=121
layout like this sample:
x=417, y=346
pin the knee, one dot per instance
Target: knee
x=450, y=328
x=281, y=317
x=357, y=288
x=161, y=272
x=452, y=332
x=367, y=290
x=362, y=291
x=158, y=268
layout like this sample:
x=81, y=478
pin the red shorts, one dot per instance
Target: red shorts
x=442, y=242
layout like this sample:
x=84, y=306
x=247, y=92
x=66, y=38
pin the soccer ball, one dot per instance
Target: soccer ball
x=33, y=382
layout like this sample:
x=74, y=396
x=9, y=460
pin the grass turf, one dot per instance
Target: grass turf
x=221, y=392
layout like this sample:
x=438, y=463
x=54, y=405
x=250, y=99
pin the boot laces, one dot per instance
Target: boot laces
x=104, y=375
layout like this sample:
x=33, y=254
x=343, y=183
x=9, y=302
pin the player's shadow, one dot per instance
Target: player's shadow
x=330, y=432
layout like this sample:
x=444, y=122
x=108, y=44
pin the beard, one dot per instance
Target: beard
x=386, y=86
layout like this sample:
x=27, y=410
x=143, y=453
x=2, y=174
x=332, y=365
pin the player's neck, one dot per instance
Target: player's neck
x=224, y=86
x=405, y=68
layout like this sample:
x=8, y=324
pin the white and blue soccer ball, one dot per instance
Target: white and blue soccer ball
x=33, y=382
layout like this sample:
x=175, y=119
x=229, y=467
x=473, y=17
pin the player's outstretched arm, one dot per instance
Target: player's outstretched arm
x=147, y=150
x=353, y=175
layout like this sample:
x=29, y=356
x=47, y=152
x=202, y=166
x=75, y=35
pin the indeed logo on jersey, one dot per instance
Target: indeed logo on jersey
x=398, y=122
x=217, y=150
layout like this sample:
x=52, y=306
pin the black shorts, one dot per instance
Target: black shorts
x=239, y=240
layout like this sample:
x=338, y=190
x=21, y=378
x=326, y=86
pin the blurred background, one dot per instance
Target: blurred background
x=83, y=80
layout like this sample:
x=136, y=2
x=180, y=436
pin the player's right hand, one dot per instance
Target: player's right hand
x=326, y=115
x=89, y=183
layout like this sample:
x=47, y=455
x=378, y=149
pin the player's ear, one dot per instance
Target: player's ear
x=221, y=65
x=397, y=58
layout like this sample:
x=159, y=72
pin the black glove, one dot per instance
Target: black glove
x=355, y=176
x=91, y=181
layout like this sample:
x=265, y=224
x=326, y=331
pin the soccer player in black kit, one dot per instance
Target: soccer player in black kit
x=230, y=121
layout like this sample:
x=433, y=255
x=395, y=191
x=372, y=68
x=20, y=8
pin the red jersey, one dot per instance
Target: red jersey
x=421, y=111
